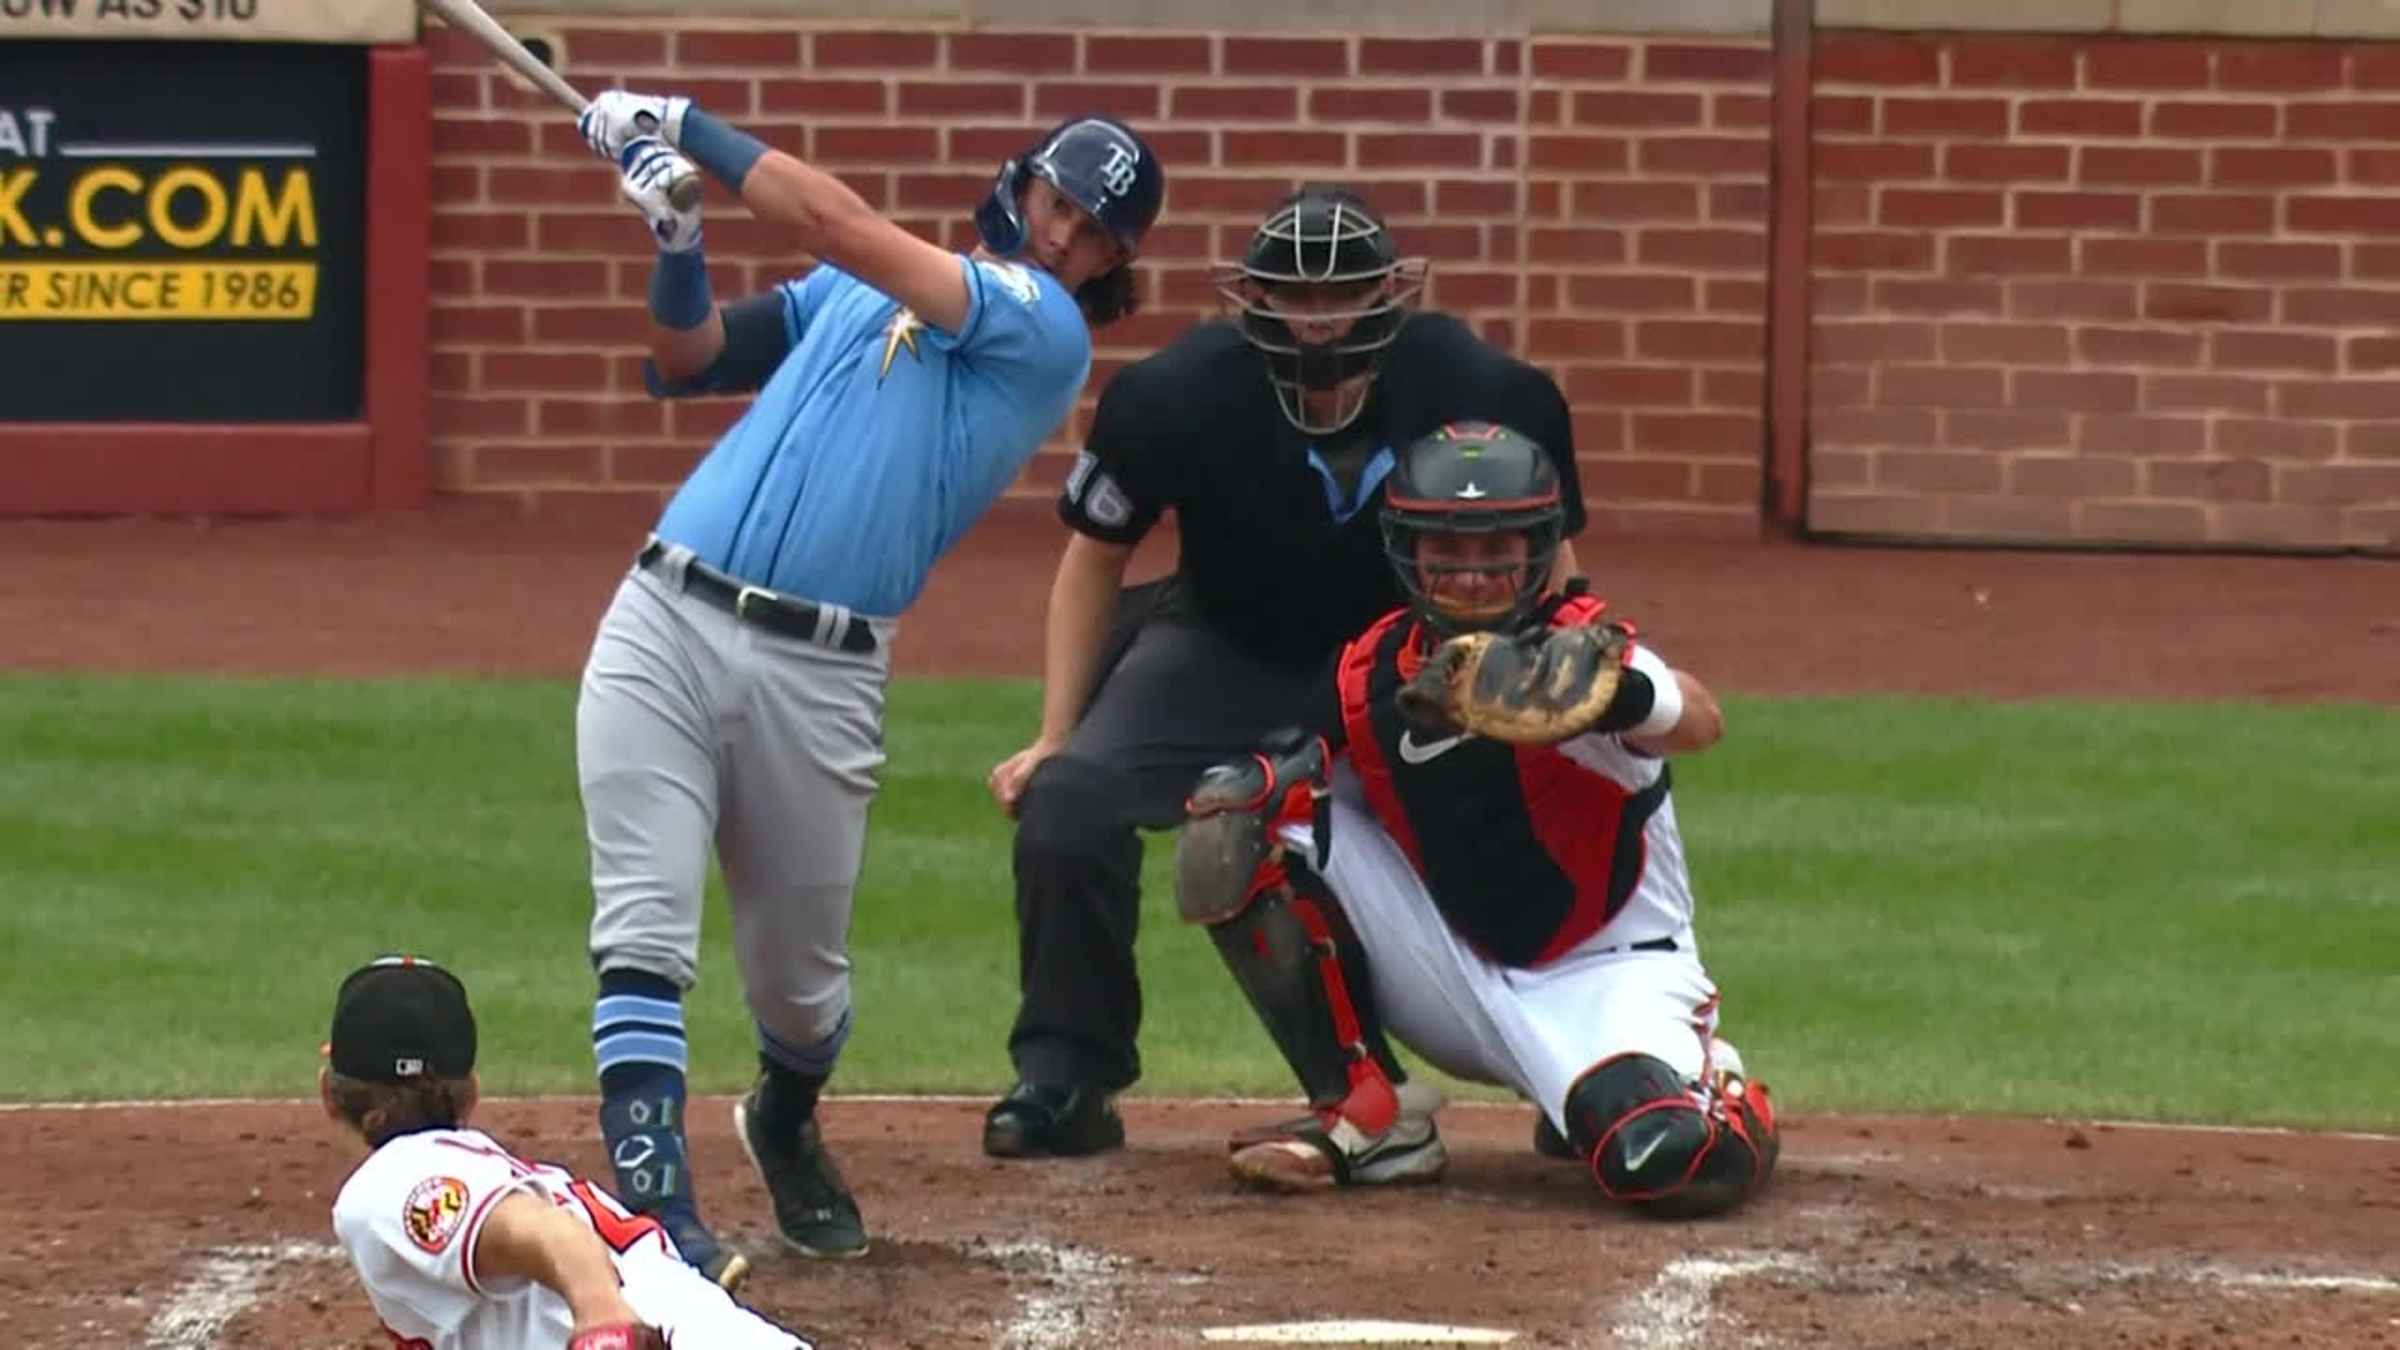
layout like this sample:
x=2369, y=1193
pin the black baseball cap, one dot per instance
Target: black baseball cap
x=400, y=1018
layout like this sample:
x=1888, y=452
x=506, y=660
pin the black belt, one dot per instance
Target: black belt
x=1666, y=944
x=771, y=610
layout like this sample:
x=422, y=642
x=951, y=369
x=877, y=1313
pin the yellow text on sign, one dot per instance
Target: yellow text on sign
x=210, y=290
x=184, y=206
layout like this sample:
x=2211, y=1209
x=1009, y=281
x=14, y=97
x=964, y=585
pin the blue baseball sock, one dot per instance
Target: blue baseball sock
x=637, y=1037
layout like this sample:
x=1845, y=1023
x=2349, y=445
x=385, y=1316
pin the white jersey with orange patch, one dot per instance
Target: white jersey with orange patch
x=412, y=1212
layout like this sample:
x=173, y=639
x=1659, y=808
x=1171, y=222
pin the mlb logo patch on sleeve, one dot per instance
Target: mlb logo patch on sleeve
x=434, y=1211
x=1013, y=278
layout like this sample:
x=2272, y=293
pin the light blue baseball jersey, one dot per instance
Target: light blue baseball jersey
x=879, y=439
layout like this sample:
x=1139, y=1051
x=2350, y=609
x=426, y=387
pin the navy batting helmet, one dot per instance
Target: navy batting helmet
x=1473, y=478
x=1322, y=291
x=1098, y=163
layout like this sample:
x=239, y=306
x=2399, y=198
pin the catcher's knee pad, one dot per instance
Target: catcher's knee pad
x=1075, y=809
x=1294, y=954
x=1665, y=1146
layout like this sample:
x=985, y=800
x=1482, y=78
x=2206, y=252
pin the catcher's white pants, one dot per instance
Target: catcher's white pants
x=1535, y=1031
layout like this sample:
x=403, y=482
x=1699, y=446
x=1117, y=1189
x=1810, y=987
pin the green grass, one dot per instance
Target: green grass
x=2181, y=912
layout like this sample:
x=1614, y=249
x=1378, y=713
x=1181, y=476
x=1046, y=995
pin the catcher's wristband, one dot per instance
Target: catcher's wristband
x=1666, y=693
x=621, y=1336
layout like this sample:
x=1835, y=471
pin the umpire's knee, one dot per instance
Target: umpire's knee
x=1074, y=813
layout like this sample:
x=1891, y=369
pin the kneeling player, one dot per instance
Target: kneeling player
x=1513, y=906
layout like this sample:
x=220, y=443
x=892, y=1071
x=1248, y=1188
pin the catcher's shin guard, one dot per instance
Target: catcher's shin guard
x=1301, y=965
x=1669, y=1148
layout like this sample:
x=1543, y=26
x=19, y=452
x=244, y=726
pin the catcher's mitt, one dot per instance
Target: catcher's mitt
x=1535, y=688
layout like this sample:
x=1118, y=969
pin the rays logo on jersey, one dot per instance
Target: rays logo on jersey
x=1014, y=279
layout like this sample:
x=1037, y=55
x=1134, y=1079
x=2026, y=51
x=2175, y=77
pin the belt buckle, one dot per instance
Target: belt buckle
x=743, y=597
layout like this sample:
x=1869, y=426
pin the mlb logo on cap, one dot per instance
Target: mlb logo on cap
x=402, y=1018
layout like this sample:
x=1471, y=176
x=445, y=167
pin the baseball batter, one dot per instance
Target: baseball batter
x=735, y=692
x=461, y=1244
x=1515, y=910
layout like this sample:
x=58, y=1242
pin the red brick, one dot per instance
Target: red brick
x=1575, y=339
x=1730, y=249
x=1837, y=204
x=1462, y=196
x=478, y=416
x=2146, y=63
x=1503, y=152
x=1872, y=159
x=476, y=324
x=2103, y=434
x=1136, y=102
x=2076, y=391
x=1678, y=61
x=2369, y=400
x=1937, y=471
x=2137, y=347
x=2016, y=344
x=2141, y=522
x=1421, y=150
x=2340, y=308
x=2071, y=476
x=545, y=277
x=618, y=47
x=2202, y=393
x=1935, y=209
x=1022, y=53
x=1508, y=56
x=1840, y=386
x=2344, y=215
x=2371, y=440
x=598, y=325
x=480, y=136
x=2279, y=66
x=1834, y=114
x=877, y=145
x=1967, y=162
x=2209, y=480
x=1347, y=104
x=1635, y=108
x=1561, y=59
x=1907, y=296
x=1480, y=105
x=1945, y=117
x=2079, y=117
x=456, y=91
x=1873, y=426
x=1699, y=340
x=1880, y=340
x=1940, y=386
x=1452, y=288
x=705, y=417
x=1576, y=246
x=1997, y=430
x=2375, y=65
x=2176, y=214
x=450, y=278
x=1251, y=56
x=2377, y=261
x=2373, y=168
x=737, y=49
x=1989, y=255
x=2144, y=257
x=1858, y=250
x=1740, y=110
x=1876, y=59
x=2124, y=164
x=2183, y=303
x=1621, y=386
x=544, y=372
x=599, y=417
x=2215, y=121
x=1708, y=433
x=2373, y=353
x=1546, y=109
x=2014, y=63
x=1250, y=103
x=1627, y=199
x=853, y=97
x=1736, y=388
x=961, y=98
x=1580, y=154
x=2339, y=484
x=2273, y=439
x=2284, y=166
x=2343, y=121
x=844, y=50
x=1420, y=56
x=1621, y=292
x=2276, y=262
x=1643, y=479
x=2036, y=210
x=502, y=464
x=1248, y=149
x=934, y=191
x=1707, y=156
x=481, y=232
x=2272, y=349
x=457, y=185
x=1833, y=295
x=1738, y=202
x=1120, y=55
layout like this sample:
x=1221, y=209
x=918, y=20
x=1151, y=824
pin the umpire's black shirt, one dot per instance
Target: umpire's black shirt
x=1279, y=553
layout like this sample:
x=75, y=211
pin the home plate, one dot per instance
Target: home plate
x=1358, y=1333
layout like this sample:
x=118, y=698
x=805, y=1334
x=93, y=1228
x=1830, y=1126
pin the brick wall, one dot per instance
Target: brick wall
x=1597, y=204
x=2107, y=290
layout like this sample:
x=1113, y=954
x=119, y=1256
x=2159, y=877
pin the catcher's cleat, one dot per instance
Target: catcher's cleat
x=1418, y=1100
x=1037, y=1120
x=724, y=1266
x=1329, y=1151
x=814, y=1209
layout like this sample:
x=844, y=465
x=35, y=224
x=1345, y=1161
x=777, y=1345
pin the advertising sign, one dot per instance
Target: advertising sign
x=360, y=21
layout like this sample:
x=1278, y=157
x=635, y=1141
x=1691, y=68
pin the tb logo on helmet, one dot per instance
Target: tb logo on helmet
x=1116, y=172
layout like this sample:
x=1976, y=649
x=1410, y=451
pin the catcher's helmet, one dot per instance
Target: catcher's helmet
x=1322, y=291
x=1479, y=479
x=1099, y=164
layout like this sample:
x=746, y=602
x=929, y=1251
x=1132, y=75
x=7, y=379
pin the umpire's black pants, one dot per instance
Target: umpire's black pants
x=1175, y=699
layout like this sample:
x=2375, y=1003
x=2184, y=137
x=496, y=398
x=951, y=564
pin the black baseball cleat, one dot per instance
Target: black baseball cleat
x=1548, y=1142
x=725, y=1267
x=814, y=1209
x=1040, y=1120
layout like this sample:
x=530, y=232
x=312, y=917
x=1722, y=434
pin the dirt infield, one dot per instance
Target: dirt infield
x=189, y=1227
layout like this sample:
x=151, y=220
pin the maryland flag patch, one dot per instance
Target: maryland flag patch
x=434, y=1211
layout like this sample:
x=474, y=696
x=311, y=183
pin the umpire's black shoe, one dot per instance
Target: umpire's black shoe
x=1041, y=1120
x=814, y=1209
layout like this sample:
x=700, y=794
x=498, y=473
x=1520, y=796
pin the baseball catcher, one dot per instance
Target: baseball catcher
x=1473, y=851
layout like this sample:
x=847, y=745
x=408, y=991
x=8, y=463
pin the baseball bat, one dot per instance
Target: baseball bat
x=470, y=18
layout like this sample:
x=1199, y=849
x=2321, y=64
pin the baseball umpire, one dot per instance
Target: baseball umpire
x=1473, y=845
x=1270, y=436
x=735, y=691
x=464, y=1246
